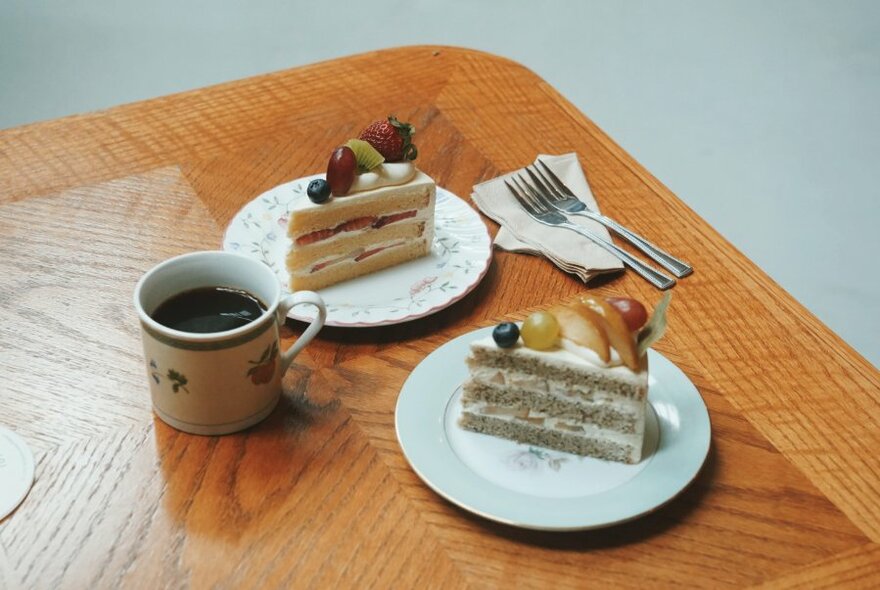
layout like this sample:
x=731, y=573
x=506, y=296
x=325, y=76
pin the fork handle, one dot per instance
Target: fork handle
x=677, y=267
x=647, y=272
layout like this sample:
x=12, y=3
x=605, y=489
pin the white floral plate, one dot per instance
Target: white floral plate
x=459, y=259
x=531, y=487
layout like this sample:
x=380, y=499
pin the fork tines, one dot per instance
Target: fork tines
x=543, y=184
x=526, y=197
x=550, y=177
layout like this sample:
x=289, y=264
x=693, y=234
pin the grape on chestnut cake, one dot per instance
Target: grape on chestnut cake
x=373, y=209
x=574, y=380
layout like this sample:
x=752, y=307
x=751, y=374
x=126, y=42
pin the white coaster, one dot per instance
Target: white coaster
x=16, y=471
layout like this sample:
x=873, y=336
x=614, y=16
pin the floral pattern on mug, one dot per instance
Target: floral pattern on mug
x=178, y=380
x=264, y=368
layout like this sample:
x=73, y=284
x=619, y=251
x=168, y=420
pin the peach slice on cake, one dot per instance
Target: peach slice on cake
x=584, y=327
x=616, y=330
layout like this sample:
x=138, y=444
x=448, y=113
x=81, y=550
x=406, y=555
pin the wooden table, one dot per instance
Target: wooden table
x=320, y=495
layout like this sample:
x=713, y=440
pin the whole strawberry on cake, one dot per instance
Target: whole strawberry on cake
x=574, y=378
x=374, y=209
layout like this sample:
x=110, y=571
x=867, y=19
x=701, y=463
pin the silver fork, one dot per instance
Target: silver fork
x=560, y=197
x=531, y=202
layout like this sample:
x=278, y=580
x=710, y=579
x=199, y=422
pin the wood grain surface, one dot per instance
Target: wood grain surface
x=320, y=495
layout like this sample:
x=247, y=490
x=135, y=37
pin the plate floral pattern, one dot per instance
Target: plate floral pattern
x=459, y=258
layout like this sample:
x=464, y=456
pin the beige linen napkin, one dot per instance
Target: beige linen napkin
x=568, y=250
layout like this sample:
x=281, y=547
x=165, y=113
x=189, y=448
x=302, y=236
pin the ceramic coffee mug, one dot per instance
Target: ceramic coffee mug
x=220, y=382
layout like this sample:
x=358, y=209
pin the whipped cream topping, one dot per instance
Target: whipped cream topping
x=586, y=430
x=387, y=174
x=585, y=396
x=589, y=355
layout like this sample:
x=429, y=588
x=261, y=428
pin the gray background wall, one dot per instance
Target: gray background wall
x=762, y=116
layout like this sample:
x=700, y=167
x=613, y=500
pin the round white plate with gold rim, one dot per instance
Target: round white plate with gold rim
x=459, y=259
x=531, y=487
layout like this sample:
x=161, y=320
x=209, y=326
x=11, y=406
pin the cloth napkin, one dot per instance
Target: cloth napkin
x=568, y=250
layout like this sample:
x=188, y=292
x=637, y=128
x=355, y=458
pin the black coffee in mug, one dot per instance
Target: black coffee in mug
x=209, y=309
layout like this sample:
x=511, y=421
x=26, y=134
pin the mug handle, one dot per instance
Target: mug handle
x=298, y=298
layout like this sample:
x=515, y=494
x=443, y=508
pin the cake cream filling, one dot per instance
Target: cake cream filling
x=586, y=397
x=353, y=256
x=542, y=420
x=420, y=216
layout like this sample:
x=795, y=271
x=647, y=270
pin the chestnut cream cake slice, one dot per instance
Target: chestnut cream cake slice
x=380, y=214
x=573, y=379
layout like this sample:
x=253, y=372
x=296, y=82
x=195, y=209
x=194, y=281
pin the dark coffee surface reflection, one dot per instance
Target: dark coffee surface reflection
x=209, y=309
